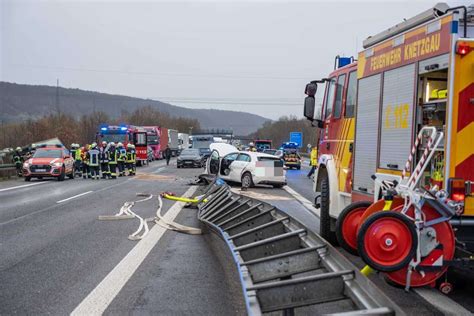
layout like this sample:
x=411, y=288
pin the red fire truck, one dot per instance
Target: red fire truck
x=126, y=134
x=416, y=76
x=153, y=138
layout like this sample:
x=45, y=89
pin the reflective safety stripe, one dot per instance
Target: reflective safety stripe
x=94, y=157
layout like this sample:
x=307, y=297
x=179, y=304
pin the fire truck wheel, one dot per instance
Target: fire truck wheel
x=387, y=241
x=325, y=218
x=348, y=223
x=62, y=175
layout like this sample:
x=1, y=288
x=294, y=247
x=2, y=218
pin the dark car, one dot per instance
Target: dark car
x=190, y=158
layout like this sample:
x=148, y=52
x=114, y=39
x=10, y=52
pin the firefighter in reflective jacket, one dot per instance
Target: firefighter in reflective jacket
x=104, y=160
x=313, y=161
x=78, y=161
x=18, y=161
x=85, y=162
x=93, y=158
x=131, y=159
x=112, y=151
x=121, y=157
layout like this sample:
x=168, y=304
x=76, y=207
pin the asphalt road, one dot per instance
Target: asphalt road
x=55, y=251
x=412, y=302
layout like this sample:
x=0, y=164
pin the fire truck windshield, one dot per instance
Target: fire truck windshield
x=116, y=138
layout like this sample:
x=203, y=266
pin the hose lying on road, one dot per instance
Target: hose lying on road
x=143, y=229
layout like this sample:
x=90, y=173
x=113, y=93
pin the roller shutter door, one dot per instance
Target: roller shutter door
x=397, y=117
x=367, y=126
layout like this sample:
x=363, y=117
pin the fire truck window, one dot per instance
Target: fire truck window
x=339, y=92
x=351, y=94
x=330, y=97
x=140, y=139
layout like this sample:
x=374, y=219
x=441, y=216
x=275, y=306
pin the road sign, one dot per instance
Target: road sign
x=297, y=137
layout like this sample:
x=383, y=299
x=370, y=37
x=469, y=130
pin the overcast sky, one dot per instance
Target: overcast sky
x=255, y=56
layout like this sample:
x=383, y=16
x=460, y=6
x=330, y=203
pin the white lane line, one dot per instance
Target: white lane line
x=159, y=170
x=446, y=305
x=304, y=201
x=22, y=186
x=100, y=298
x=75, y=196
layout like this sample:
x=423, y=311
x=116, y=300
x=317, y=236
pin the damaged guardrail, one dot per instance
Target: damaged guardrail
x=284, y=267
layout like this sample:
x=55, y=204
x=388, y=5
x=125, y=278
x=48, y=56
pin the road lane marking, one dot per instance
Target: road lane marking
x=75, y=196
x=104, y=293
x=304, y=201
x=443, y=303
x=23, y=186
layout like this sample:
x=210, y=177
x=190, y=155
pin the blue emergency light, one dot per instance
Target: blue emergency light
x=123, y=128
x=103, y=128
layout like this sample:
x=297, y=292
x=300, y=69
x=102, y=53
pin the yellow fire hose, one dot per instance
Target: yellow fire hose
x=368, y=270
x=172, y=197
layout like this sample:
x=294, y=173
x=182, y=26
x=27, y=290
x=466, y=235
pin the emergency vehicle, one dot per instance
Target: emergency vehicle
x=153, y=134
x=414, y=77
x=49, y=161
x=126, y=134
x=262, y=144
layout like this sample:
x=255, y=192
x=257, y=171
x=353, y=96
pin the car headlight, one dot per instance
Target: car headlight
x=56, y=164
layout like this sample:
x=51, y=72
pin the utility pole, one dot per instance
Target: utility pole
x=58, y=110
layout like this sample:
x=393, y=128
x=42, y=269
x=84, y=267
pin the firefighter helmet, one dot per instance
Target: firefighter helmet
x=18, y=149
x=112, y=144
x=129, y=146
x=104, y=143
x=119, y=145
x=93, y=145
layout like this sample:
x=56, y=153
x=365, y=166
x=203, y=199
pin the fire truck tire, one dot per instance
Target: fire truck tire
x=387, y=241
x=325, y=218
x=347, y=225
x=27, y=179
x=62, y=175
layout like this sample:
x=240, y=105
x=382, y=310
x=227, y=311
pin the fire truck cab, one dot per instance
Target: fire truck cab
x=418, y=73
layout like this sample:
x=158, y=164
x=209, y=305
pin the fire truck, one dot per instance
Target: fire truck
x=374, y=122
x=262, y=144
x=126, y=134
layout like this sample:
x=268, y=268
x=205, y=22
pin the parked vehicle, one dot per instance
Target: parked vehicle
x=190, y=158
x=153, y=134
x=202, y=141
x=126, y=134
x=164, y=140
x=274, y=152
x=173, y=141
x=411, y=78
x=49, y=161
x=183, y=141
x=248, y=168
x=150, y=154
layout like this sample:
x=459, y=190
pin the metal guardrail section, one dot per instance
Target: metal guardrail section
x=7, y=167
x=286, y=269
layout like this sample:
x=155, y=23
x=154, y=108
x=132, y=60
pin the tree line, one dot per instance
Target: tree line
x=82, y=130
x=279, y=131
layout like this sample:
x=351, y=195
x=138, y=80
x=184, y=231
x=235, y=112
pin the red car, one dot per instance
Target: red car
x=49, y=162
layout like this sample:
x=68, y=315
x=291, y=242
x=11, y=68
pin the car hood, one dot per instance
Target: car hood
x=223, y=149
x=43, y=161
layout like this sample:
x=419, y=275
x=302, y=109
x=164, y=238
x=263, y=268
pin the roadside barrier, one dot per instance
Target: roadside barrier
x=282, y=266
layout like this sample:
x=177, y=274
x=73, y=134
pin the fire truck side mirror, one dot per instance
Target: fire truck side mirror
x=311, y=111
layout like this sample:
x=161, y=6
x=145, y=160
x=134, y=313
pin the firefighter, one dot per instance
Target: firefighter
x=313, y=161
x=93, y=159
x=121, y=158
x=18, y=161
x=85, y=162
x=167, y=153
x=112, y=160
x=78, y=160
x=104, y=160
x=131, y=159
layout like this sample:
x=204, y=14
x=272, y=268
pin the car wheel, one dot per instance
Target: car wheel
x=325, y=218
x=62, y=175
x=27, y=179
x=246, y=180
